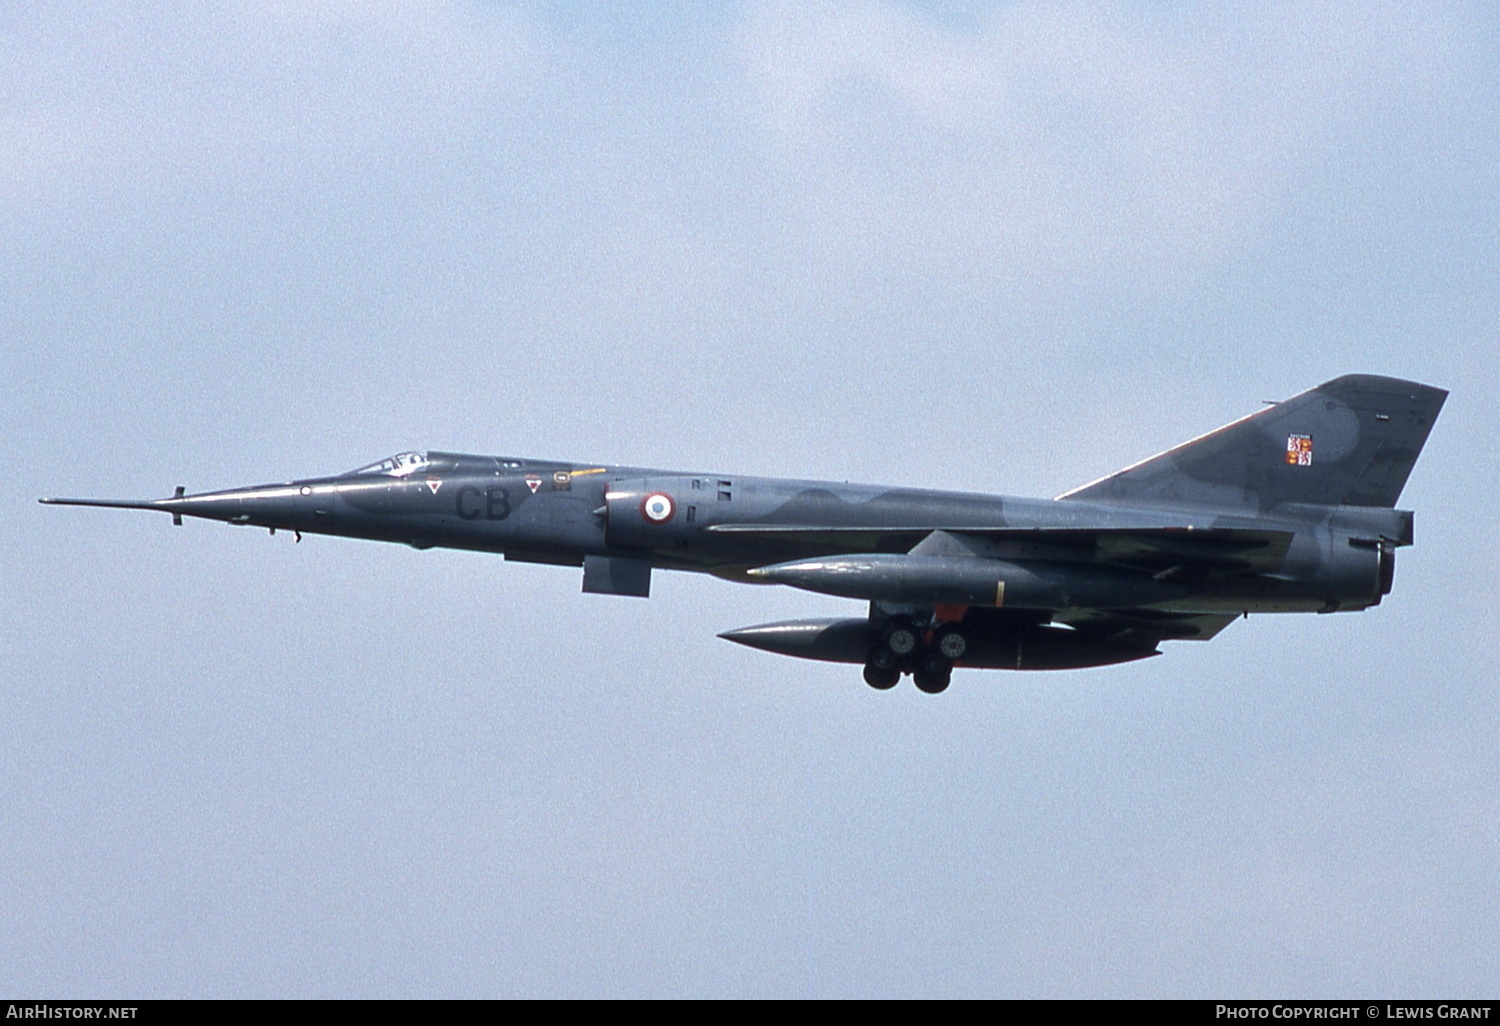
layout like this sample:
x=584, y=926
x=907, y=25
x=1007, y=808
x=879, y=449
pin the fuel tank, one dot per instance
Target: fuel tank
x=971, y=581
x=1021, y=648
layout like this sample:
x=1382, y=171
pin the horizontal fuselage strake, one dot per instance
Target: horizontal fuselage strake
x=890, y=545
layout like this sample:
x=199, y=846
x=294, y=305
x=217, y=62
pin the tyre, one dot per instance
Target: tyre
x=932, y=663
x=881, y=678
x=932, y=683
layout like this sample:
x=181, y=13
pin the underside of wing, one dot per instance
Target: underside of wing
x=1222, y=550
x=1157, y=550
x=1137, y=628
x=1144, y=627
x=830, y=539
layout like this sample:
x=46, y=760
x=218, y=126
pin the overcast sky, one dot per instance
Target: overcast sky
x=1005, y=248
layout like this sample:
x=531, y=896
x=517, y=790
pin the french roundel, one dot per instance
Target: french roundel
x=658, y=507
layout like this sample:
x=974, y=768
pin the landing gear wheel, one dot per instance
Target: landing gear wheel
x=882, y=669
x=933, y=664
x=932, y=683
x=902, y=639
x=952, y=645
x=881, y=678
x=933, y=673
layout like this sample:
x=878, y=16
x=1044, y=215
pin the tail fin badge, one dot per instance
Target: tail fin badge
x=1299, y=450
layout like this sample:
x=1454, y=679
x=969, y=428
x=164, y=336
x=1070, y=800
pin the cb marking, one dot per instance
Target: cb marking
x=492, y=503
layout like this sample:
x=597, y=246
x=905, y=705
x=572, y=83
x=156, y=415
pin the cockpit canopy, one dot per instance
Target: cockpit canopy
x=399, y=465
x=404, y=464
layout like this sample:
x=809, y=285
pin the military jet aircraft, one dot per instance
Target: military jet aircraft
x=1290, y=509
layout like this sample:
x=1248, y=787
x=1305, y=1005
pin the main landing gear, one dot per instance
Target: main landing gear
x=927, y=654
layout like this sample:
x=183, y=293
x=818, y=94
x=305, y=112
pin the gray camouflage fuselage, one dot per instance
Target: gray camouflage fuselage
x=1252, y=518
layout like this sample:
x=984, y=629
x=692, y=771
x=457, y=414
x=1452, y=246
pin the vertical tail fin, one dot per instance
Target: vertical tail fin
x=1351, y=441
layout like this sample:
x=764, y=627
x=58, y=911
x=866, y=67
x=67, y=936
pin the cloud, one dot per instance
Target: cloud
x=1069, y=135
x=119, y=98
